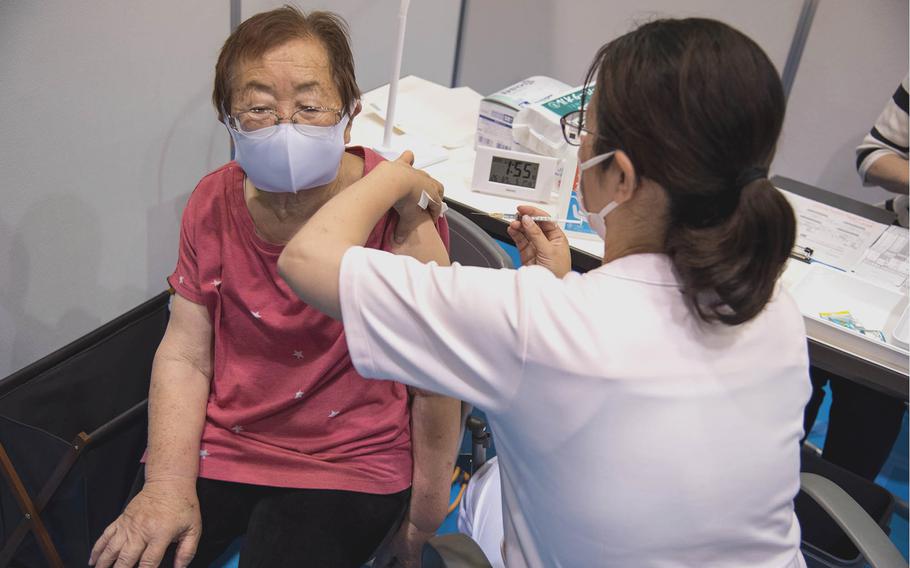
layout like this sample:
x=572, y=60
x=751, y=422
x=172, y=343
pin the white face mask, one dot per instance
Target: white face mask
x=597, y=221
x=287, y=158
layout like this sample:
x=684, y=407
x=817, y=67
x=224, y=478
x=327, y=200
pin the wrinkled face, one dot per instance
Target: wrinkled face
x=295, y=77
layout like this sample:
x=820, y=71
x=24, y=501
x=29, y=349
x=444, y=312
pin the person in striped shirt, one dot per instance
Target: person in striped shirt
x=882, y=157
x=863, y=424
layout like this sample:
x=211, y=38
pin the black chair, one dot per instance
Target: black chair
x=72, y=430
x=844, y=518
x=472, y=246
x=469, y=245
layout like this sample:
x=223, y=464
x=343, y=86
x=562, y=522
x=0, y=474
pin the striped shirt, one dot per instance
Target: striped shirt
x=888, y=135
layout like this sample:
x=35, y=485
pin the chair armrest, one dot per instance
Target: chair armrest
x=454, y=550
x=863, y=532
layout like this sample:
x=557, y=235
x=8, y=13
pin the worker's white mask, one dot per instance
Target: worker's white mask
x=287, y=158
x=597, y=221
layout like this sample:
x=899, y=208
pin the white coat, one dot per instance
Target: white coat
x=629, y=433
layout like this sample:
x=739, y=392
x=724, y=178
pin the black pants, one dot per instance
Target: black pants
x=862, y=426
x=292, y=527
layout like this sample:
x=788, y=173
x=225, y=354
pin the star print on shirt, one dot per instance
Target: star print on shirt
x=204, y=454
x=298, y=354
x=333, y=414
x=180, y=280
x=237, y=429
x=298, y=394
x=216, y=283
x=256, y=314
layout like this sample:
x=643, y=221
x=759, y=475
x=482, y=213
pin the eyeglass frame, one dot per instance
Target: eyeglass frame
x=233, y=120
x=564, y=124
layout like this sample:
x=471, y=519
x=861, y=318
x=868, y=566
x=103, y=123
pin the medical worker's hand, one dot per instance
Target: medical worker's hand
x=404, y=549
x=541, y=243
x=408, y=185
x=160, y=514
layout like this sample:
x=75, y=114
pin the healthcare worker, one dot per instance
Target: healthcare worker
x=647, y=413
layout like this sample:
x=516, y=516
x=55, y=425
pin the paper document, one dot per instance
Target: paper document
x=444, y=116
x=836, y=237
x=885, y=263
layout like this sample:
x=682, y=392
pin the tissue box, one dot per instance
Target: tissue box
x=498, y=111
x=537, y=126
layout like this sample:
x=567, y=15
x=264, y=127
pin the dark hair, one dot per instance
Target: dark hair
x=698, y=107
x=268, y=30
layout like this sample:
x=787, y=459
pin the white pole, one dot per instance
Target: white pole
x=396, y=72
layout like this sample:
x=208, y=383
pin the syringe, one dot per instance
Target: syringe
x=536, y=218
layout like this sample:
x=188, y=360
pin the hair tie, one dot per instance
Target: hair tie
x=749, y=175
x=703, y=211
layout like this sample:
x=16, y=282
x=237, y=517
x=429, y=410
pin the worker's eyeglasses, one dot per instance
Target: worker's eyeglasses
x=572, y=129
x=258, y=118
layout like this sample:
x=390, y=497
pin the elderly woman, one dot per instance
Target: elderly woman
x=258, y=422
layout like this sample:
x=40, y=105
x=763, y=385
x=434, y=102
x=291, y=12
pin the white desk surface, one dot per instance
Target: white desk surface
x=455, y=174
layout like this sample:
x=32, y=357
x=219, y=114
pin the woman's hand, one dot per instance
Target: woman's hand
x=543, y=243
x=160, y=514
x=410, y=184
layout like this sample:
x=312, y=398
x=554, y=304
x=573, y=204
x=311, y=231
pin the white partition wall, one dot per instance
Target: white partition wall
x=855, y=56
x=429, y=49
x=105, y=128
x=508, y=40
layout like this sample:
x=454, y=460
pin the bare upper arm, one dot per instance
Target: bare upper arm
x=189, y=335
x=420, y=240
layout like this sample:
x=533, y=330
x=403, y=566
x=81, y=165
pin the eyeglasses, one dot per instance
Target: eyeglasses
x=257, y=118
x=572, y=129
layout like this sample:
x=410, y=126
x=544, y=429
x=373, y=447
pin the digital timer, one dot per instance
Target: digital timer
x=518, y=175
x=514, y=172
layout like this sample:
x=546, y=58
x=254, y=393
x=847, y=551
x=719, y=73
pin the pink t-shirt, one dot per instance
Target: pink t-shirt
x=286, y=407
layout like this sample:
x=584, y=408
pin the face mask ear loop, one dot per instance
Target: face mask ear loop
x=608, y=208
x=591, y=162
x=587, y=164
x=226, y=120
x=350, y=111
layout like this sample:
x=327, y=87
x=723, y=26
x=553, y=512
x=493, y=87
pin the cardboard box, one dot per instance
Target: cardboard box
x=498, y=111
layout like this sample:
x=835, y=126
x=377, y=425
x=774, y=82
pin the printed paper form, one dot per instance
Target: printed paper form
x=885, y=263
x=836, y=237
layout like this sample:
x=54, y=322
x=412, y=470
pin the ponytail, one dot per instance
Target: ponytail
x=729, y=269
x=698, y=107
